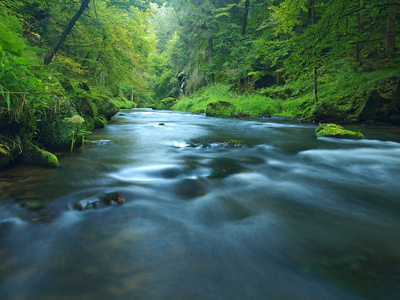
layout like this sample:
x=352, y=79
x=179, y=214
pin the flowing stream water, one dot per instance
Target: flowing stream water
x=213, y=209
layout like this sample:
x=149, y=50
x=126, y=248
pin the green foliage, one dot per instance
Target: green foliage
x=64, y=134
x=337, y=49
x=220, y=109
x=10, y=32
x=245, y=105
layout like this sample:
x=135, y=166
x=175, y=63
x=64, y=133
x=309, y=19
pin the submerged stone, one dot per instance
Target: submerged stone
x=99, y=201
x=336, y=131
x=227, y=144
x=33, y=204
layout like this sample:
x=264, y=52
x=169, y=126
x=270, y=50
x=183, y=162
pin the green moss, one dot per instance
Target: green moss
x=33, y=155
x=220, y=109
x=60, y=134
x=336, y=131
x=47, y=159
x=106, y=107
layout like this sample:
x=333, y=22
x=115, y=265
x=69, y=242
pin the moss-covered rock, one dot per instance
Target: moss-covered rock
x=100, y=122
x=105, y=107
x=375, y=108
x=220, y=109
x=328, y=112
x=85, y=105
x=33, y=155
x=66, y=83
x=337, y=131
x=63, y=134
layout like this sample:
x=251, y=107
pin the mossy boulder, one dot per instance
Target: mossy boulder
x=220, y=109
x=105, y=107
x=66, y=83
x=63, y=134
x=85, y=105
x=327, y=112
x=337, y=131
x=375, y=108
x=33, y=155
x=100, y=122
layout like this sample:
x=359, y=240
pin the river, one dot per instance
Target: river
x=212, y=209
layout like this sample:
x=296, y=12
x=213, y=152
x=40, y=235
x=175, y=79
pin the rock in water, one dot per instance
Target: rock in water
x=99, y=201
x=337, y=131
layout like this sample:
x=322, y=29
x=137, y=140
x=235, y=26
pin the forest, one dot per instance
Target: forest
x=66, y=67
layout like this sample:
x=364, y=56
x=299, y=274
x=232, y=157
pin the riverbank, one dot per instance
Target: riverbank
x=367, y=98
x=33, y=142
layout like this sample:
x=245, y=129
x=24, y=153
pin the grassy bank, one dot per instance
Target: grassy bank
x=345, y=93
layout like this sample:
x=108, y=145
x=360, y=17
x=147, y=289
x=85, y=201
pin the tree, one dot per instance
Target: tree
x=66, y=32
x=391, y=25
x=245, y=16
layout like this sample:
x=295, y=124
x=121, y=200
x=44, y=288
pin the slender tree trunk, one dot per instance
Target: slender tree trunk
x=396, y=96
x=315, y=84
x=86, y=59
x=245, y=16
x=359, y=28
x=61, y=39
x=391, y=26
x=315, y=74
x=133, y=87
x=211, y=58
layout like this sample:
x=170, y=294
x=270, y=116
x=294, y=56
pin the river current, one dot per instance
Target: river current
x=212, y=209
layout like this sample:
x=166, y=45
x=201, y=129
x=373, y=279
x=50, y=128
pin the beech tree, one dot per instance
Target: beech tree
x=66, y=32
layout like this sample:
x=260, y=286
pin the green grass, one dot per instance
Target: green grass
x=340, y=88
x=251, y=105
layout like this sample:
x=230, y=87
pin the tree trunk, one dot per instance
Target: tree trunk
x=245, y=16
x=315, y=84
x=86, y=59
x=211, y=59
x=396, y=96
x=67, y=31
x=133, y=87
x=391, y=26
x=315, y=74
x=359, y=28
